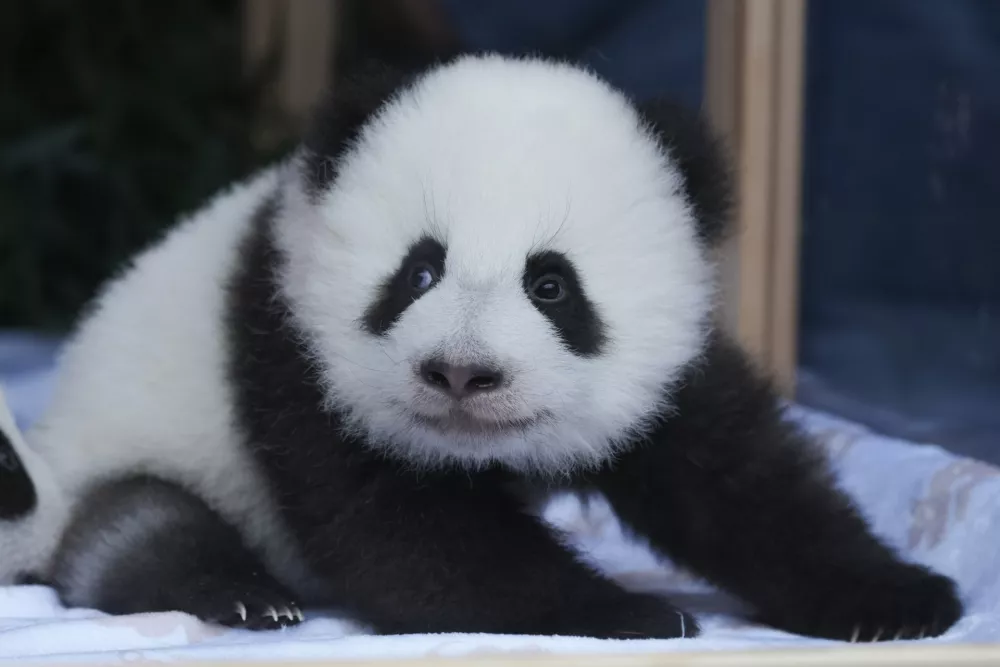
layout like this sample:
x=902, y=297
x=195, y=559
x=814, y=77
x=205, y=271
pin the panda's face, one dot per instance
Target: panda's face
x=504, y=270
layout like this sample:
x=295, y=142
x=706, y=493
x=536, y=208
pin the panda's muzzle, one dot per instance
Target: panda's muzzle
x=460, y=381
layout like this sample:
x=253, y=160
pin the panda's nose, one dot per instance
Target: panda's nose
x=460, y=381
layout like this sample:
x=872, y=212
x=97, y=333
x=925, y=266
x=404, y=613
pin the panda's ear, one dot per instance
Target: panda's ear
x=355, y=96
x=702, y=160
x=18, y=497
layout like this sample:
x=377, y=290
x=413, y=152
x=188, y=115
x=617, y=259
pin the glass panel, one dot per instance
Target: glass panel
x=645, y=48
x=901, y=233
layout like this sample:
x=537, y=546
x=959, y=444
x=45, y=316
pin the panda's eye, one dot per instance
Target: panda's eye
x=550, y=288
x=422, y=277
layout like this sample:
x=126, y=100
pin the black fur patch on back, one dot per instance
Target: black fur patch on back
x=277, y=387
x=17, y=492
x=702, y=160
x=574, y=316
x=396, y=293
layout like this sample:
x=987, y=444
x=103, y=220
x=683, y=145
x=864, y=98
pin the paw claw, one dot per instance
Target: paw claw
x=683, y=632
x=899, y=602
x=299, y=616
x=238, y=604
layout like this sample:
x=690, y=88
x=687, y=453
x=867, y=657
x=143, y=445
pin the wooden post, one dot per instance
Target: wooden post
x=303, y=33
x=754, y=70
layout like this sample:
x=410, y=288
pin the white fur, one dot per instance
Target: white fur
x=25, y=544
x=141, y=387
x=497, y=158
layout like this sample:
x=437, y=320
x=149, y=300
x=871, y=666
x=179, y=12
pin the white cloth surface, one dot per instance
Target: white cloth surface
x=936, y=508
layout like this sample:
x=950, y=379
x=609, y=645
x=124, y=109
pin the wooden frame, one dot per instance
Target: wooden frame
x=302, y=33
x=754, y=73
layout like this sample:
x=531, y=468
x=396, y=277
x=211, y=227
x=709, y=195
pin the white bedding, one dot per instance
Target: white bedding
x=939, y=509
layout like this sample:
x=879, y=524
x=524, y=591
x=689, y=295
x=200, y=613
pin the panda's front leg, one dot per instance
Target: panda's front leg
x=463, y=556
x=730, y=490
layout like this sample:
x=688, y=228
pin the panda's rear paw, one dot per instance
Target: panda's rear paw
x=244, y=605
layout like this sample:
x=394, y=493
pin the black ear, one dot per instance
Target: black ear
x=355, y=96
x=703, y=162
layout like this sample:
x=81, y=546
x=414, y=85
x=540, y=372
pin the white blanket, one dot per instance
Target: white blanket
x=938, y=509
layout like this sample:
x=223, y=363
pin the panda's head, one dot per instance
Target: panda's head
x=501, y=260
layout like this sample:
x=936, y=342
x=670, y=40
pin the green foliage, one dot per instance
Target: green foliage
x=116, y=117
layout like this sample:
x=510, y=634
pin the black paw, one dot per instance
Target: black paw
x=250, y=606
x=634, y=616
x=902, y=602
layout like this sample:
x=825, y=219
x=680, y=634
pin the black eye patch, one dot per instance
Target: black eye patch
x=553, y=286
x=17, y=492
x=420, y=270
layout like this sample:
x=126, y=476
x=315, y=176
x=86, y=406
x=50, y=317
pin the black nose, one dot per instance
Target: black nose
x=460, y=381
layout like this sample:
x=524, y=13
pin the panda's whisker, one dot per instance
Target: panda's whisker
x=385, y=352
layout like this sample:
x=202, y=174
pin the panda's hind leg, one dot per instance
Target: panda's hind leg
x=141, y=544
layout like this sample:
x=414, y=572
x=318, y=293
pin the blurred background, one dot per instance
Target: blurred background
x=117, y=116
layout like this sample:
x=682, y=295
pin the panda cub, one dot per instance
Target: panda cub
x=347, y=383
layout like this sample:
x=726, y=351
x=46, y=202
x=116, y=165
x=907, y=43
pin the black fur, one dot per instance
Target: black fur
x=142, y=544
x=339, y=117
x=17, y=492
x=701, y=157
x=734, y=492
x=396, y=293
x=574, y=317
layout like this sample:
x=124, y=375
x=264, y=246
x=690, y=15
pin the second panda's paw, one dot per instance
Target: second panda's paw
x=243, y=605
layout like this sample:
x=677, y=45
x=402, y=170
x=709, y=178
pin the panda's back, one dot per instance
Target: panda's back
x=141, y=385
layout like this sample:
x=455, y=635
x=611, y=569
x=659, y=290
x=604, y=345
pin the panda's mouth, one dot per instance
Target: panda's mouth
x=460, y=422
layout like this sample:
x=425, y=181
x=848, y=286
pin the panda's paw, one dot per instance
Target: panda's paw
x=249, y=606
x=905, y=602
x=635, y=616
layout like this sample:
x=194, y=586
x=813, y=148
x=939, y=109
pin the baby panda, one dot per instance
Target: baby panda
x=348, y=382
